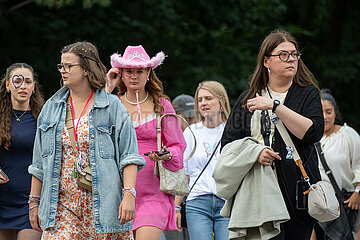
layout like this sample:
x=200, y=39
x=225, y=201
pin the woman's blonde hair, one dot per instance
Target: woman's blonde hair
x=218, y=90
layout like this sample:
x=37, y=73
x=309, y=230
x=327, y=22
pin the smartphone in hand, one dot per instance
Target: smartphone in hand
x=157, y=153
x=2, y=173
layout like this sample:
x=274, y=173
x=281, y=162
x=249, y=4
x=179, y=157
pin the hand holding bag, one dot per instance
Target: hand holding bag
x=172, y=182
x=322, y=202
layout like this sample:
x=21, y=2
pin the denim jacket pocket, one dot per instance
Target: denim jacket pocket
x=106, y=141
x=48, y=138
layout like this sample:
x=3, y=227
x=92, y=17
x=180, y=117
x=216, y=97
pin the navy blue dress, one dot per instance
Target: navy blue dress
x=14, y=209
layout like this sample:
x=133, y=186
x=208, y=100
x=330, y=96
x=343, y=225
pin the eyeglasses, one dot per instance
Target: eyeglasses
x=284, y=55
x=67, y=67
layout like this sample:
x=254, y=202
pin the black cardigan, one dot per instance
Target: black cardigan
x=305, y=101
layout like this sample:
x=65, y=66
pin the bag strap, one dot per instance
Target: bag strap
x=158, y=132
x=69, y=124
x=292, y=152
x=328, y=171
x=213, y=153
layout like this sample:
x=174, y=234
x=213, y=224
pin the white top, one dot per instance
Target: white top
x=255, y=119
x=342, y=154
x=206, y=140
x=145, y=120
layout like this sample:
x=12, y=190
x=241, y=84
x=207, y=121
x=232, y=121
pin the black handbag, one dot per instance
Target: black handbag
x=183, y=204
x=350, y=213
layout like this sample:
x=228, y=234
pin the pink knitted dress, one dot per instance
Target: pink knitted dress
x=152, y=206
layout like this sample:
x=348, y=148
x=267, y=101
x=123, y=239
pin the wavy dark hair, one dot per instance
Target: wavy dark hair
x=90, y=61
x=327, y=95
x=260, y=77
x=155, y=89
x=6, y=113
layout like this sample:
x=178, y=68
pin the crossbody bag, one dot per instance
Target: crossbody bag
x=321, y=201
x=83, y=179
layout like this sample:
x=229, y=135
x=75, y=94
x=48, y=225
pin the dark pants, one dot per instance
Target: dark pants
x=292, y=230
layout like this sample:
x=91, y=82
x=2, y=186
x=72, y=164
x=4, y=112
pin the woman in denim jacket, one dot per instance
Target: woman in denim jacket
x=105, y=140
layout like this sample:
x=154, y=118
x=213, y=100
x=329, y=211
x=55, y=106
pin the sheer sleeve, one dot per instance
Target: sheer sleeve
x=172, y=137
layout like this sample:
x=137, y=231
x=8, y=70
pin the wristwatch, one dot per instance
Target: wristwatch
x=357, y=189
x=275, y=105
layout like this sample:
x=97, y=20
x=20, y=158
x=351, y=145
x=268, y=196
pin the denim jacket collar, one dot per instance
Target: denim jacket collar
x=101, y=98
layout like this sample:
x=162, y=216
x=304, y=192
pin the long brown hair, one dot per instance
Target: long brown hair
x=260, y=77
x=90, y=61
x=218, y=90
x=6, y=113
x=155, y=89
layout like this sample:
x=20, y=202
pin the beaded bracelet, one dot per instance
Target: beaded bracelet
x=129, y=189
x=168, y=157
x=33, y=198
x=37, y=205
x=177, y=209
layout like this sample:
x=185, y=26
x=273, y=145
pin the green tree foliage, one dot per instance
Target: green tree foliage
x=203, y=40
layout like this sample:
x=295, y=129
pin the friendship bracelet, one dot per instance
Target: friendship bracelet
x=168, y=157
x=129, y=189
x=33, y=198
x=177, y=209
x=37, y=205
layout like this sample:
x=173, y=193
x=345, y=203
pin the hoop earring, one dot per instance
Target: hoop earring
x=148, y=80
x=268, y=70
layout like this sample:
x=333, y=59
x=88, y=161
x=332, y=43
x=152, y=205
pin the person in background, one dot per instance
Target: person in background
x=141, y=92
x=203, y=206
x=184, y=106
x=341, y=148
x=20, y=106
x=104, y=139
x=282, y=87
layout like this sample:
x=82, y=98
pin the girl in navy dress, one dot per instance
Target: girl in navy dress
x=20, y=105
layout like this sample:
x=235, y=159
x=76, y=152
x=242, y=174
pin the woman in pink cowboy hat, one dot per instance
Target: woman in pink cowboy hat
x=141, y=92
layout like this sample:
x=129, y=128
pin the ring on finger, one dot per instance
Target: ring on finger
x=250, y=104
x=269, y=161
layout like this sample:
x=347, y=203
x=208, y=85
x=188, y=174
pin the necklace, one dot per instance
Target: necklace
x=18, y=118
x=132, y=103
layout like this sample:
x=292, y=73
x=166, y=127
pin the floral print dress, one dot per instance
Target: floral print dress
x=74, y=217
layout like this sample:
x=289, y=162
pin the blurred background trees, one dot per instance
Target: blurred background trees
x=204, y=40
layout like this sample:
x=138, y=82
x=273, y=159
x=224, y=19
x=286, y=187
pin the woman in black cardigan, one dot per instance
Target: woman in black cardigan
x=282, y=87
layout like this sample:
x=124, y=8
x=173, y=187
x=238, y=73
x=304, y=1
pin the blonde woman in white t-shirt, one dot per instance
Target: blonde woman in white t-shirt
x=203, y=207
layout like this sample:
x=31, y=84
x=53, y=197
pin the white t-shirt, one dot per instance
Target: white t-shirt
x=206, y=140
x=342, y=154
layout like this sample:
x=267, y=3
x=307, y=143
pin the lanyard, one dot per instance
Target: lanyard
x=73, y=116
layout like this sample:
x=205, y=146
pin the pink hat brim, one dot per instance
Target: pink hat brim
x=119, y=62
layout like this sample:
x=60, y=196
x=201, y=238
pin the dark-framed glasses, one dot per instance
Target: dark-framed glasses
x=66, y=66
x=285, y=55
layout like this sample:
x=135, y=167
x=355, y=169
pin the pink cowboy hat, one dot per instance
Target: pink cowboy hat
x=136, y=57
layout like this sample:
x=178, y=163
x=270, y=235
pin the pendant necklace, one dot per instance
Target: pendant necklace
x=18, y=118
x=132, y=103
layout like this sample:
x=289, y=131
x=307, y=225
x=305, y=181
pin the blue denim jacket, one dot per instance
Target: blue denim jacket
x=113, y=145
